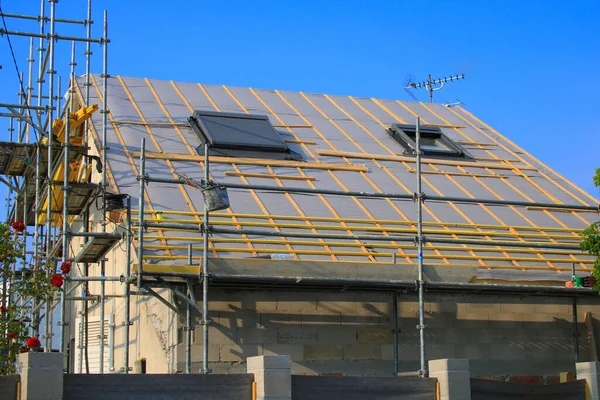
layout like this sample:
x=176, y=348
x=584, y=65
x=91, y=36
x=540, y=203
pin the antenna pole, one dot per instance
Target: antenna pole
x=430, y=88
x=432, y=85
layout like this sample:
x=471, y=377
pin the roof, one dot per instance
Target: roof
x=345, y=147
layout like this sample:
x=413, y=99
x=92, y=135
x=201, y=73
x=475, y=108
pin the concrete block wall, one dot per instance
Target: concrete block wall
x=351, y=333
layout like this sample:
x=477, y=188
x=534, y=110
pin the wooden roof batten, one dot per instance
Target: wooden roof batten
x=546, y=241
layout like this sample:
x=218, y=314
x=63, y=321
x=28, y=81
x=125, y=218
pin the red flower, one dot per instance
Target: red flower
x=56, y=280
x=65, y=267
x=33, y=342
x=12, y=335
x=18, y=226
x=2, y=309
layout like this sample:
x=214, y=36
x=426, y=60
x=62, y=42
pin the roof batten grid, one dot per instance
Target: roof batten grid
x=364, y=220
x=508, y=183
x=323, y=199
x=377, y=228
x=256, y=161
x=386, y=254
x=270, y=169
x=183, y=190
x=484, y=206
x=594, y=201
x=155, y=142
x=392, y=114
x=375, y=245
x=229, y=211
x=332, y=174
x=126, y=150
x=391, y=152
x=508, y=257
x=234, y=165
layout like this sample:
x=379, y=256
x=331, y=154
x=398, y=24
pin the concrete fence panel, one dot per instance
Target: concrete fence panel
x=9, y=386
x=362, y=388
x=483, y=389
x=157, y=387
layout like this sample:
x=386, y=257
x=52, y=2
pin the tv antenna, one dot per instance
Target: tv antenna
x=432, y=85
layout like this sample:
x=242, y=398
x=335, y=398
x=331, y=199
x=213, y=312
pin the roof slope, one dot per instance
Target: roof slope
x=349, y=133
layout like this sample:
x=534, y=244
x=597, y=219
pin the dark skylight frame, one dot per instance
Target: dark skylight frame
x=434, y=143
x=240, y=135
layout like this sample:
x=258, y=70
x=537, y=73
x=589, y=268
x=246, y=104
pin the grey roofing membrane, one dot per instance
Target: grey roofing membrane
x=340, y=124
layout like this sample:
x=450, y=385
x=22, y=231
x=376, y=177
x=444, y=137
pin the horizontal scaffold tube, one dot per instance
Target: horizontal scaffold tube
x=120, y=278
x=390, y=238
x=399, y=285
x=401, y=196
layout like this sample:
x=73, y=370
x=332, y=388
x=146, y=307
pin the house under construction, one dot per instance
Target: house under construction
x=360, y=236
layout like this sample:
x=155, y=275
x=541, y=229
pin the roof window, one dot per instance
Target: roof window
x=434, y=143
x=239, y=135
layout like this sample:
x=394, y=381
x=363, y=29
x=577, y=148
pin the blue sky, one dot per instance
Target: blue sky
x=530, y=66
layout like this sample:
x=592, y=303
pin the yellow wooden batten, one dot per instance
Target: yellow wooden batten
x=382, y=245
x=78, y=171
x=364, y=220
x=252, y=161
x=369, y=229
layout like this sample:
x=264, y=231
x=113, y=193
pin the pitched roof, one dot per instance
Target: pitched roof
x=345, y=147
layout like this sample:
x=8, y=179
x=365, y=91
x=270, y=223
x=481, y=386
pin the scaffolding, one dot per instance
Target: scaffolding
x=48, y=166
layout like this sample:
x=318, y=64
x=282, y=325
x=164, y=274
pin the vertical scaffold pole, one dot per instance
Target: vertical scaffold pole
x=205, y=320
x=11, y=129
x=104, y=182
x=51, y=73
x=188, y=325
x=65, y=228
x=36, y=233
x=8, y=197
x=26, y=133
x=419, y=198
x=127, y=322
x=142, y=179
x=84, y=305
x=395, y=331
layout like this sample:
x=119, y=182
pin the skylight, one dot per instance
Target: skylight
x=240, y=135
x=433, y=141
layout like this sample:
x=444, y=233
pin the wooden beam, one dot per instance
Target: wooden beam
x=460, y=174
x=252, y=161
x=563, y=210
x=269, y=176
x=475, y=143
x=495, y=159
x=300, y=141
x=434, y=161
x=293, y=126
x=445, y=126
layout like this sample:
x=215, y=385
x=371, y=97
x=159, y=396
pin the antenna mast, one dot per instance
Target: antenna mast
x=433, y=85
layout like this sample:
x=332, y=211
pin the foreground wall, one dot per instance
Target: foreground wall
x=351, y=333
